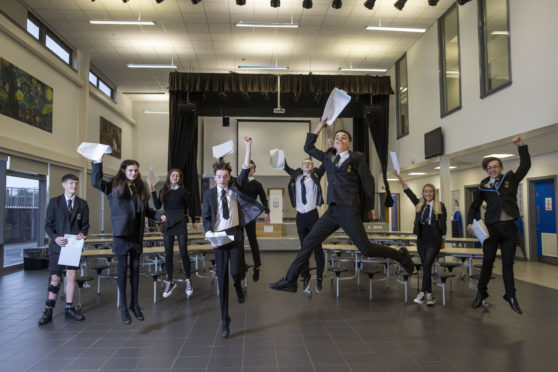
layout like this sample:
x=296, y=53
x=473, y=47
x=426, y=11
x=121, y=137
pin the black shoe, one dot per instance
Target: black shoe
x=306, y=285
x=46, y=317
x=284, y=285
x=239, y=293
x=225, y=332
x=513, y=303
x=137, y=313
x=71, y=313
x=406, y=261
x=256, y=275
x=126, y=317
x=319, y=286
x=477, y=302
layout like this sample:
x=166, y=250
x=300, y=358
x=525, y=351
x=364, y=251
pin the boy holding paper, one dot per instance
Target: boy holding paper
x=227, y=210
x=499, y=191
x=66, y=214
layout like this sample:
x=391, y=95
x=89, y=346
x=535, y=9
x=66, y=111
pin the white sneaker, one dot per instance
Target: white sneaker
x=430, y=301
x=420, y=298
x=189, y=288
x=169, y=287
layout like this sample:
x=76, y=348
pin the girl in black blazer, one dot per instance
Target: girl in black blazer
x=430, y=229
x=175, y=198
x=128, y=199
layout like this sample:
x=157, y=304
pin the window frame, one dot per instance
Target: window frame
x=483, y=51
x=44, y=31
x=102, y=80
x=398, y=97
x=442, y=63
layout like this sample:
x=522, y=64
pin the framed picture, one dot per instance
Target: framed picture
x=111, y=135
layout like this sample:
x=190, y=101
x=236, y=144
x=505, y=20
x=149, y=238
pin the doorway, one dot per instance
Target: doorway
x=542, y=207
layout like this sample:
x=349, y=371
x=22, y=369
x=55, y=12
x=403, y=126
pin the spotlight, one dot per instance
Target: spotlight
x=240, y=2
x=196, y=1
x=369, y=4
x=462, y=2
x=159, y=1
x=399, y=4
x=275, y=3
x=433, y=2
x=307, y=4
x=336, y=4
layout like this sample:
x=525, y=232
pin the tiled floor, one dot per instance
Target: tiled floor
x=275, y=331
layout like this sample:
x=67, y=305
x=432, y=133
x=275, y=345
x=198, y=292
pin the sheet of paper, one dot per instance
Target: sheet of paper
x=223, y=149
x=93, y=151
x=394, y=161
x=218, y=238
x=70, y=254
x=277, y=158
x=268, y=228
x=152, y=177
x=480, y=230
x=335, y=104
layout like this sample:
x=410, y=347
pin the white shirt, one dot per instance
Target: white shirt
x=342, y=157
x=311, y=194
x=221, y=223
x=73, y=199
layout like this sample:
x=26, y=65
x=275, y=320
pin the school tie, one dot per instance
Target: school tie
x=495, y=183
x=426, y=215
x=69, y=205
x=336, y=160
x=303, y=190
x=225, y=204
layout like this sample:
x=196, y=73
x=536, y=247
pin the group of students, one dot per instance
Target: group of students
x=230, y=206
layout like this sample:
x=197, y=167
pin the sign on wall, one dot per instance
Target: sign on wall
x=25, y=98
x=111, y=135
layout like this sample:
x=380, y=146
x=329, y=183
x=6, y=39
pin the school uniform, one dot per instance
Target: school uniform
x=430, y=228
x=305, y=194
x=228, y=210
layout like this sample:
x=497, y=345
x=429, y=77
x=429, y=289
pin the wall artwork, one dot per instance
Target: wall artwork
x=25, y=98
x=111, y=135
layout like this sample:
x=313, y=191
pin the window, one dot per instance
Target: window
x=401, y=94
x=102, y=84
x=46, y=37
x=494, y=42
x=450, y=70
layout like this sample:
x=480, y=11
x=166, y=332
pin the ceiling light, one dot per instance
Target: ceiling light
x=307, y=4
x=359, y=69
x=396, y=29
x=155, y=112
x=501, y=156
x=451, y=167
x=399, y=4
x=264, y=67
x=417, y=174
x=150, y=65
x=121, y=22
x=502, y=33
x=369, y=4
x=336, y=4
x=433, y=2
x=267, y=24
x=462, y=2
x=275, y=3
x=240, y=2
x=393, y=179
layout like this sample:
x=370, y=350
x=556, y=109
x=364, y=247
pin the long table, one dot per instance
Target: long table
x=407, y=239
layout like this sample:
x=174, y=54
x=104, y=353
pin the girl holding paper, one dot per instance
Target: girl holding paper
x=430, y=229
x=176, y=200
x=128, y=197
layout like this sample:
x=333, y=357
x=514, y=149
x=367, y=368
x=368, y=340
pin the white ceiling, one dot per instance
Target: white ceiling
x=203, y=38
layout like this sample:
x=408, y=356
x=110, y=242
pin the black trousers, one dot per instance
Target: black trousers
x=428, y=245
x=224, y=254
x=304, y=224
x=347, y=217
x=133, y=255
x=502, y=234
x=169, y=254
x=254, y=247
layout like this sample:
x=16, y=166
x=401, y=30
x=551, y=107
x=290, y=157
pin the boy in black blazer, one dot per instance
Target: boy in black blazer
x=66, y=214
x=345, y=175
x=226, y=209
x=305, y=194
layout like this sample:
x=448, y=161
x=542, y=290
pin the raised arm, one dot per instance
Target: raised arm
x=524, y=158
x=321, y=170
x=97, y=180
x=310, y=145
x=288, y=169
x=156, y=200
x=406, y=188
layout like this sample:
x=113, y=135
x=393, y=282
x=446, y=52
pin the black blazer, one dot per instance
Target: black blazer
x=315, y=176
x=123, y=209
x=439, y=220
x=344, y=183
x=59, y=222
x=504, y=196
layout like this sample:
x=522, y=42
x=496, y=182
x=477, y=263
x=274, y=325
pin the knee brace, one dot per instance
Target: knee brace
x=54, y=288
